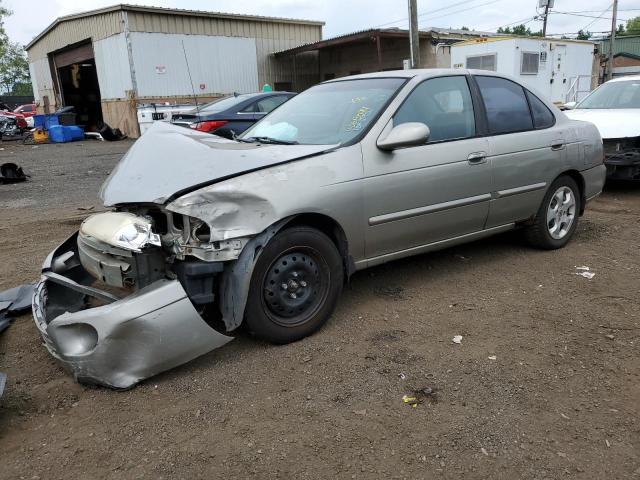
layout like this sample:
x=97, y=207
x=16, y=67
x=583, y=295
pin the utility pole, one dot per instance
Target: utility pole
x=612, y=40
x=544, y=21
x=414, y=37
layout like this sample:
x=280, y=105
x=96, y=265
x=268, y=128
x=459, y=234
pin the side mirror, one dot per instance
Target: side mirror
x=569, y=105
x=405, y=135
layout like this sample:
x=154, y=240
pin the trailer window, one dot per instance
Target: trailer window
x=529, y=63
x=483, y=62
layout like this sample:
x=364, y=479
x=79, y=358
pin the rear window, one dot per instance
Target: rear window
x=506, y=105
x=224, y=103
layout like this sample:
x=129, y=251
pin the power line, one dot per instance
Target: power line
x=597, y=18
x=428, y=13
x=586, y=16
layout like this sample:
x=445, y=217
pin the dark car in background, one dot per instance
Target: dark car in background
x=229, y=116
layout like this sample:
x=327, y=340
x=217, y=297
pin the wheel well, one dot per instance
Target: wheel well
x=331, y=229
x=575, y=175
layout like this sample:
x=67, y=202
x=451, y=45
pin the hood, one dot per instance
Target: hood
x=614, y=123
x=169, y=159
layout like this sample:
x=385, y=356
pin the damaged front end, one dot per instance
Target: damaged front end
x=622, y=158
x=157, y=275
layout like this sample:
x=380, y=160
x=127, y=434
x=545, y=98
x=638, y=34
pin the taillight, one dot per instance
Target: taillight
x=209, y=126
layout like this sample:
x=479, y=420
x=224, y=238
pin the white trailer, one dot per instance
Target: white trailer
x=563, y=70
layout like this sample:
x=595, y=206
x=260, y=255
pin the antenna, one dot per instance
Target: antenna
x=193, y=90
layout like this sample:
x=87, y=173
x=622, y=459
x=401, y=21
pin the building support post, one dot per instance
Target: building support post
x=612, y=40
x=414, y=37
x=379, y=51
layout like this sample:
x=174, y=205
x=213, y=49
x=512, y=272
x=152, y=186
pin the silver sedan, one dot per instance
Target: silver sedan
x=206, y=233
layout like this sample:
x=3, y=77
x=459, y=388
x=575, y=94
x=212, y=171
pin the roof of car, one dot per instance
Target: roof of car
x=418, y=72
x=625, y=78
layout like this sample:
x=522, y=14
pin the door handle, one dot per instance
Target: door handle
x=477, y=158
x=557, y=146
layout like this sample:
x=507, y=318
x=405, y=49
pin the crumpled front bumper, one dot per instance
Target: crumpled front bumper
x=623, y=165
x=123, y=340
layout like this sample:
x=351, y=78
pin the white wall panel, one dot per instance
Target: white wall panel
x=220, y=64
x=41, y=80
x=112, y=65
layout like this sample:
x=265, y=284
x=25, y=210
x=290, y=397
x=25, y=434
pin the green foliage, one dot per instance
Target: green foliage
x=633, y=27
x=521, y=30
x=466, y=29
x=14, y=67
x=582, y=35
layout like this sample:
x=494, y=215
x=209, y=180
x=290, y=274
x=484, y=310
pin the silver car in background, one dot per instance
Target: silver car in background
x=207, y=233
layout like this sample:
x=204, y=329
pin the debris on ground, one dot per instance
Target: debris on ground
x=93, y=136
x=14, y=302
x=11, y=173
x=110, y=134
x=420, y=395
x=87, y=208
x=492, y=357
x=3, y=381
x=457, y=339
x=585, y=272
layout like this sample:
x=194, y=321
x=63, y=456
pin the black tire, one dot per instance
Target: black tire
x=537, y=234
x=307, y=262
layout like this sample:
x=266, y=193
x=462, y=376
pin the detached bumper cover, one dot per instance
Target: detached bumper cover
x=124, y=340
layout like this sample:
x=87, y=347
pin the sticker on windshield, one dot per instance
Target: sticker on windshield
x=358, y=119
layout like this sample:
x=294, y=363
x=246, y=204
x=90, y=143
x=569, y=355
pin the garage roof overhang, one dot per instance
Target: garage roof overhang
x=363, y=36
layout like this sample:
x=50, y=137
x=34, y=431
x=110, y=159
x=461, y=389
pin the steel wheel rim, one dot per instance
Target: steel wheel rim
x=561, y=213
x=293, y=289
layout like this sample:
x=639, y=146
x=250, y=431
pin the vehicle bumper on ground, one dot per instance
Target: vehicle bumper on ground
x=121, y=340
x=623, y=166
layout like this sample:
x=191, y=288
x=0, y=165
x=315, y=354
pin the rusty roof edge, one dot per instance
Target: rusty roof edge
x=358, y=35
x=168, y=11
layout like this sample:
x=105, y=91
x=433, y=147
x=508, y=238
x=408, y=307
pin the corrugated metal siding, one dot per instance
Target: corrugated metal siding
x=622, y=45
x=112, y=65
x=41, y=79
x=222, y=64
x=96, y=27
x=270, y=36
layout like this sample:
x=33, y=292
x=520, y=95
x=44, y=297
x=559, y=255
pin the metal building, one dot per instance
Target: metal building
x=105, y=62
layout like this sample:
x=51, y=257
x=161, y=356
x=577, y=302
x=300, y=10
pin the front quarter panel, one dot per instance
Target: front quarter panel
x=328, y=184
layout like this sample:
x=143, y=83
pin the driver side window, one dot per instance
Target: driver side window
x=444, y=105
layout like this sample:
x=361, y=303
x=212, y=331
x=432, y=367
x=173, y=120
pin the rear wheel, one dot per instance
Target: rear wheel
x=295, y=285
x=557, y=218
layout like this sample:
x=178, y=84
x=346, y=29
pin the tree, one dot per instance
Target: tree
x=14, y=70
x=465, y=29
x=582, y=35
x=521, y=30
x=14, y=67
x=633, y=26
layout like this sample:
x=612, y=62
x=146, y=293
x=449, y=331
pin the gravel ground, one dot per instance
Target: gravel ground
x=545, y=384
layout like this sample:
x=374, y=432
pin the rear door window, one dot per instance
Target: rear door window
x=506, y=105
x=542, y=116
x=444, y=105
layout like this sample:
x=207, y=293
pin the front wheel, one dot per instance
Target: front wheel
x=557, y=218
x=295, y=285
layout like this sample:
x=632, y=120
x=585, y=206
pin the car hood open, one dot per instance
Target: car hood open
x=612, y=123
x=168, y=161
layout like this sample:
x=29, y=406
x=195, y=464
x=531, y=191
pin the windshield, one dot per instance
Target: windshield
x=625, y=94
x=221, y=104
x=327, y=114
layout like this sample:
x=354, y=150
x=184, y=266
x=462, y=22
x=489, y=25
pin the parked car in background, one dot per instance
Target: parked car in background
x=229, y=116
x=28, y=110
x=614, y=107
x=209, y=233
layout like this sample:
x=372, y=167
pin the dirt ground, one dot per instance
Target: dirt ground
x=545, y=384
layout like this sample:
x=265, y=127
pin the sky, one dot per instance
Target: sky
x=344, y=16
